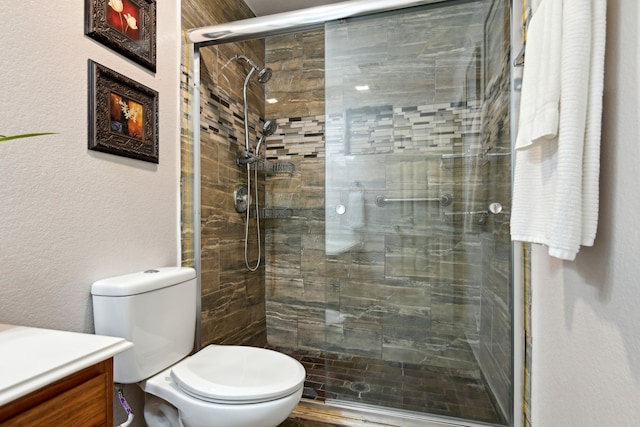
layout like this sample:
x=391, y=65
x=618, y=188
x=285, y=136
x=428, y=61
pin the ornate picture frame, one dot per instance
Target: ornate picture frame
x=126, y=26
x=123, y=115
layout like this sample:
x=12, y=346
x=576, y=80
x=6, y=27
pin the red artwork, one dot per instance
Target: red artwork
x=124, y=17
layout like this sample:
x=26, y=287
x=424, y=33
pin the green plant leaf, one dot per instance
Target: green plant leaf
x=24, y=135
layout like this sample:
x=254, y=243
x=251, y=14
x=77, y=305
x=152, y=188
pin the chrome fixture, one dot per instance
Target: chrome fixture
x=264, y=74
x=494, y=208
x=296, y=20
x=248, y=158
x=444, y=199
x=268, y=129
x=241, y=199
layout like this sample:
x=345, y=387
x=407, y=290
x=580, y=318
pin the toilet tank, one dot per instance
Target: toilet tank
x=155, y=310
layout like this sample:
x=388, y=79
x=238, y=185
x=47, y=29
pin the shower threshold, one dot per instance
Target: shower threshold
x=314, y=413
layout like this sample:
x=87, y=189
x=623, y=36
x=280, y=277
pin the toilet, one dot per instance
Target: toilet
x=218, y=386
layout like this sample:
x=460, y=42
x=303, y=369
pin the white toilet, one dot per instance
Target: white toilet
x=219, y=386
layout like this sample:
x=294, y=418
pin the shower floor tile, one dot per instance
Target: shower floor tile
x=425, y=389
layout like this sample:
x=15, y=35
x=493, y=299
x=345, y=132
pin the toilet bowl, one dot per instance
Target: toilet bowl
x=223, y=386
x=218, y=386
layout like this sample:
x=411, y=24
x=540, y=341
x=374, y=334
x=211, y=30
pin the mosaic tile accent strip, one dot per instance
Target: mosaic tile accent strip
x=297, y=137
x=445, y=128
x=385, y=129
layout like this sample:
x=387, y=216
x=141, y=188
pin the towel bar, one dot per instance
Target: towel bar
x=466, y=213
x=494, y=208
x=460, y=156
x=473, y=156
x=444, y=199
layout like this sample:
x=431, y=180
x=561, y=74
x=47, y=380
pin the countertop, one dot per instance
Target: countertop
x=31, y=358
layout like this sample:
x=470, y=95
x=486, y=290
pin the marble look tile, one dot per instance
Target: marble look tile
x=411, y=288
x=233, y=302
x=449, y=391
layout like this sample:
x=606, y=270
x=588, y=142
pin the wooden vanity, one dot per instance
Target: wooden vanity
x=56, y=378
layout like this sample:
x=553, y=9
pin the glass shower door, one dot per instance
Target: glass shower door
x=418, y=314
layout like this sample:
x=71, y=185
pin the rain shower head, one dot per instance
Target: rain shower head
x=264, y=74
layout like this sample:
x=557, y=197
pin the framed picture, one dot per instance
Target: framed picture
x=123, y=115
x=126, y=26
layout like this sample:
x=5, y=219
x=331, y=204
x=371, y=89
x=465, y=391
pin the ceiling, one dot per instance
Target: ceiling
x=269, y=7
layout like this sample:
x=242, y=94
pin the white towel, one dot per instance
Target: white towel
x=534, y=5
x=540, y=105
x=555, y=194
x=591, y=160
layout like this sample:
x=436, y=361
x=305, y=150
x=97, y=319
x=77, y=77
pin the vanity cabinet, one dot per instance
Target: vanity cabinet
x=83, y=398
x=52, y=378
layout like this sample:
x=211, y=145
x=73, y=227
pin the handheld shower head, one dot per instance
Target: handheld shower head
x=269, y=127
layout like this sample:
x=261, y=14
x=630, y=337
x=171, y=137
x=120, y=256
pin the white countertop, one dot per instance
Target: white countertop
x=31, y=358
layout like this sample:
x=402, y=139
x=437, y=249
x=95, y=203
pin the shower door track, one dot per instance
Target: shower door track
x=354, y=414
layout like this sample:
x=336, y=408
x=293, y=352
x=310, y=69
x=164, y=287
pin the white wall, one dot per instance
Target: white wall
x=69, y=216
x=586, y=314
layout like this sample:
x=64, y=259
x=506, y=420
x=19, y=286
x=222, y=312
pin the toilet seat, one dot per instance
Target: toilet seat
x=238, y=374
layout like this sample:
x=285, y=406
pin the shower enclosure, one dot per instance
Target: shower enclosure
x=388, y=264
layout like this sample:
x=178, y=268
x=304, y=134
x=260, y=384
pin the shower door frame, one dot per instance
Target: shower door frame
x=291, y=22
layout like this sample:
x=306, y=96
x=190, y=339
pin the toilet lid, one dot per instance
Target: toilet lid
x=238, y=374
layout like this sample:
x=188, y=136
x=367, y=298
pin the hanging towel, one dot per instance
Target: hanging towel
x=534, y=5
x=591, y=160
x=540, y=105
x=555, y=194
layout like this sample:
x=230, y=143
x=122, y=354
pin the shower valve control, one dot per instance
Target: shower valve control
x=241, y=199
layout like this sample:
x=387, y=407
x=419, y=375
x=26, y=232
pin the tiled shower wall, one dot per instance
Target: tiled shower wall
x=448, y=305
x=233, y=301
x=295, y=260
x=309, y=302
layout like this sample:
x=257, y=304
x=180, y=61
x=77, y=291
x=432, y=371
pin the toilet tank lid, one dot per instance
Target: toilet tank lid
x=143, y=281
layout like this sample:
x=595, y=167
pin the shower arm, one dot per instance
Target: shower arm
x=249, y=61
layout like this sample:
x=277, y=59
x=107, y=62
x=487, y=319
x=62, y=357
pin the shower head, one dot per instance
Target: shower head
x=269, y=127
x=264, y=74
